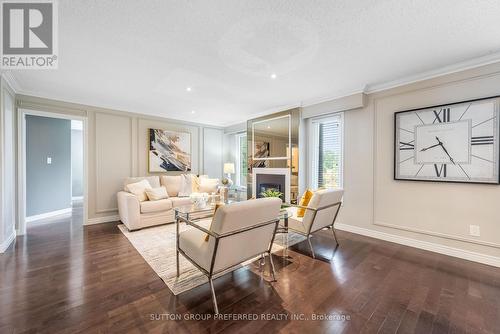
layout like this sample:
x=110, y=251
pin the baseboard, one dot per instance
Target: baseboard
x=48, y=215
x=101, y=220
x=425, y=245
x=4, y=245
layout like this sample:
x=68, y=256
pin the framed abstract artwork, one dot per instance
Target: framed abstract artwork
x=169, y=151
x=262, y=151
x=457, y=142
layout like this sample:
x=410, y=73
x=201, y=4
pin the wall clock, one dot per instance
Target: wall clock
x=449, y=143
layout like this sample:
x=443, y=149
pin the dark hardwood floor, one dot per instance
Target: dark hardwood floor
x=62, y=278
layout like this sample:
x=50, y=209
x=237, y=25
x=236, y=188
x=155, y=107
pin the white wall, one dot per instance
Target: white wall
x=7, y=166
x=118, y=148
x=375, y=203
x=76, y=159
x=212, y=152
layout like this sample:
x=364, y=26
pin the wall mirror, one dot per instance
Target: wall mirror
x=271, y=138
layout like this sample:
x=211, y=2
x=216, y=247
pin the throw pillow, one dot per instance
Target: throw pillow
x=304, y=201
x=172, y=183
x=186, y=188
x=195, y=184
x=208, y=185
x=218, y=205
x=139, y=189
x=156, y=194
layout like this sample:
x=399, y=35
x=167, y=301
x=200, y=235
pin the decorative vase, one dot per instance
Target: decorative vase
x=199, y=199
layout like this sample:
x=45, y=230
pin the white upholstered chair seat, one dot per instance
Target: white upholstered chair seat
x=294, y=222
x=156, y=206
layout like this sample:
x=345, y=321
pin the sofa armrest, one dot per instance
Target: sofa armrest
x=129, y=209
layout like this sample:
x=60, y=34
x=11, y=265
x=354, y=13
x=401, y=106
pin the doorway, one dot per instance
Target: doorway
x=53, y=173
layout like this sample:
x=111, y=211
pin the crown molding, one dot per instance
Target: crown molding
x=11, y=81
x=489, y=59
x=366, y=89
x=311, y=102
x=265, y=113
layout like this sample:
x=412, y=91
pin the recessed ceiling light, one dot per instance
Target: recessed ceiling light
x=268, y=126
x=193, y=112
x=273, y=76
x=188, y=89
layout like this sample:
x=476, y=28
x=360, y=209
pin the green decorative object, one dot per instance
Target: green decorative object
x=271, y=193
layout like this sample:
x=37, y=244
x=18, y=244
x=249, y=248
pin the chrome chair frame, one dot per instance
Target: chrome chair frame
x=211, y=273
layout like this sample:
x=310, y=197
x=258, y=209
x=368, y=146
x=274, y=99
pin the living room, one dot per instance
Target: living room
x=252, y=166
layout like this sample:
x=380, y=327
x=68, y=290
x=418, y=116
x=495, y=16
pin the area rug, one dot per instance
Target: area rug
x=157, y=246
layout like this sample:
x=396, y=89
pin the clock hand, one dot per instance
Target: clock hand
x=426, y=148
x=445, y=151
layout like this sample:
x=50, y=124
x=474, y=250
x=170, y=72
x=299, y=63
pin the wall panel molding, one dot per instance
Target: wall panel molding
x=429, y=90
x=119, y=159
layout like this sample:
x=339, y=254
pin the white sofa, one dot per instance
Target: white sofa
x=136, y=215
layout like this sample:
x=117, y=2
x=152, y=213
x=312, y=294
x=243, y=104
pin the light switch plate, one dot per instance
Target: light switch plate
x=474, y=230
x=49, y=160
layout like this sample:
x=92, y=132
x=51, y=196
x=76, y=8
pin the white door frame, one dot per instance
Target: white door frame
x=21, y=170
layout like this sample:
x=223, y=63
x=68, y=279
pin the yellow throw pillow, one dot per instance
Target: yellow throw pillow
x=218, y=205
x=304, y=201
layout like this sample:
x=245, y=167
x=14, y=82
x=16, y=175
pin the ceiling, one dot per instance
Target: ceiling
x=141, y=56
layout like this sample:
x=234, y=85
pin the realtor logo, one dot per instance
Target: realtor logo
x=29, y=39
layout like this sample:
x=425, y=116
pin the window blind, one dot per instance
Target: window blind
x=329, y=166
x=242, y=160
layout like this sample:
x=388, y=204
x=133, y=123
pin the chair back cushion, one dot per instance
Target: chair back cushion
x=322, y=198
x=239, y=247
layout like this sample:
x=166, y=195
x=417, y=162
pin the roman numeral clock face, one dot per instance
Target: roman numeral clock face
x=457, y=143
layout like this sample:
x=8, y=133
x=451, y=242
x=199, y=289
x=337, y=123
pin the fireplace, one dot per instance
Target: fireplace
x=270, y=182
x=271, y=178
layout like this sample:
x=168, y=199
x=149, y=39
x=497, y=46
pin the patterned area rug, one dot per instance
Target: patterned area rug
x=157, y=246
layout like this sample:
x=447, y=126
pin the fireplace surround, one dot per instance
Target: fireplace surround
x=276, y=178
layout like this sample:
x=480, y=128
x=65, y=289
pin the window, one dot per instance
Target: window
x=241, y=160
x=327, y=152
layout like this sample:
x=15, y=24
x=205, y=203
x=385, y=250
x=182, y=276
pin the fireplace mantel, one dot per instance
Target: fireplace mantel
x=272, y=171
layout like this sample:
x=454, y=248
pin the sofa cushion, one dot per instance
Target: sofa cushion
x=172, y=183
x=180, y=201
x=139, y=189
x=154, y=181
x=156, y=206
x=156, y=194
